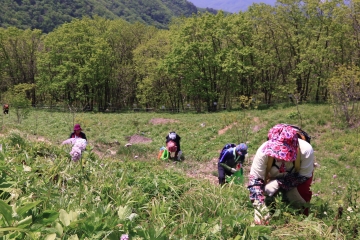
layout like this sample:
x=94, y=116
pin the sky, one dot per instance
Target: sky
x=232, y=6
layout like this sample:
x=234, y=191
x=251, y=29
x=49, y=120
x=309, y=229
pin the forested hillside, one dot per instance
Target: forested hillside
x=48, y=14
x=291, y=52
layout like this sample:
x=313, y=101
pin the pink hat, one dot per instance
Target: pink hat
x=77, y=127
x=282, y=143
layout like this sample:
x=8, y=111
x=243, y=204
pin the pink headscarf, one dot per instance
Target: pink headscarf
x=282, y=143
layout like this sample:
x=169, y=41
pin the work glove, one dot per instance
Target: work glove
x=272, y=187
x=233, y=170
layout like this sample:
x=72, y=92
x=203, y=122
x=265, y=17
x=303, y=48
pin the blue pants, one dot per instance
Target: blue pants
x=222, y=172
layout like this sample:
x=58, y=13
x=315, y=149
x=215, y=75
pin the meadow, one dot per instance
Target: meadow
x=116, y=189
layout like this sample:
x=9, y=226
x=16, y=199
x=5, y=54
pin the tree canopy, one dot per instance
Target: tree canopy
x=205, y=61
x=46, y=15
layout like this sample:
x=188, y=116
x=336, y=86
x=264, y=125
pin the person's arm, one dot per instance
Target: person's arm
x=178, y=142
x=224, y=160
x=291, y=180
x=83, y=136
x=240, y=160
x=225, y=166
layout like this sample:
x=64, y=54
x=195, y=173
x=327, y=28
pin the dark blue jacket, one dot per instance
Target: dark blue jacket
x=230, y=159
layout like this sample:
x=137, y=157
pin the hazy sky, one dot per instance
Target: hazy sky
x=229, y=5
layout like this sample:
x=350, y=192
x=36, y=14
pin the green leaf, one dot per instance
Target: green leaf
x=5, y=185
x=25, y=222
x=48, y=216
x=124, y=212
x=59, y=229
x=73, y=237
x=6, y=211
x=23, y=209
x=50, y=236
x=260, y=229
x=64, y=217
x=12, y=229
x=73, y=216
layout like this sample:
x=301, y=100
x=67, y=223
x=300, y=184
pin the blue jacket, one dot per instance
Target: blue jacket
x=230, y=159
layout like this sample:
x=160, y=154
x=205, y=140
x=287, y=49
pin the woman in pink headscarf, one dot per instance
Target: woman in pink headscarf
x=273, y=169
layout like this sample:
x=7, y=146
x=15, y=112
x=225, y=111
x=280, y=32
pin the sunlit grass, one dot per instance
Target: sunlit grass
x=152, y=199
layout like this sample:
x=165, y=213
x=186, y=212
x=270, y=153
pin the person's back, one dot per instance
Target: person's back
x=173, y=144
x=6, y=108
x=229, y=159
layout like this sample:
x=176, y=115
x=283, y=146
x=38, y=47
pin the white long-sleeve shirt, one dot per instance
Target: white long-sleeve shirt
x=258, y=167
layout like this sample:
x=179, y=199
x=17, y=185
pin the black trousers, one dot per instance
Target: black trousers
x=222, y=172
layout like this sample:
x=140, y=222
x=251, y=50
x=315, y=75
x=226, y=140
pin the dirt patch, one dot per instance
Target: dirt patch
x=258, y=124
x=222, y=131
x=105, y=150
x=138, y=139
x=36, y=138
x=156, y=121
x=206, y=171
x=209, y=170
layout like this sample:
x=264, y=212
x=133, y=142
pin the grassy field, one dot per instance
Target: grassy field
x=117, y=190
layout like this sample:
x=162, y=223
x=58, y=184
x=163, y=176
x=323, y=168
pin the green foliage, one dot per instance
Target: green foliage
x=205, y=62
x=44, y=195
x=344, y=89
x=47, y=15
x=18, y=101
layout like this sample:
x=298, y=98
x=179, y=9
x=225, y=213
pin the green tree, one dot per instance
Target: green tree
x=18, y=49
x=344, y=88
x=207, y=55
x=155, y=87
x=75, y=63
x=123, y=38
x=17, y=99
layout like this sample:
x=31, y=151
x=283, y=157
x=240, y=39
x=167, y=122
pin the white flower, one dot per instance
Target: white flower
x=350, y=209
x=348, y=218
x=325, y=213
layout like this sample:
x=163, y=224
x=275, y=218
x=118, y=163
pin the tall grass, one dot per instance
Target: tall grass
x=44, y=195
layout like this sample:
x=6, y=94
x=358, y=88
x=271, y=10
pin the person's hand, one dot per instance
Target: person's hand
x=233, y=170
x=272, y=187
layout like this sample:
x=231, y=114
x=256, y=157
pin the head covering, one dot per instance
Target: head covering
x=282, y=143
x=77, y=127
x=172, y=135
x=241, y=149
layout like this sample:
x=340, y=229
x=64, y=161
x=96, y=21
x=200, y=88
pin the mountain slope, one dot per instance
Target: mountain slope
x=48, y=14
x=229, y=5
